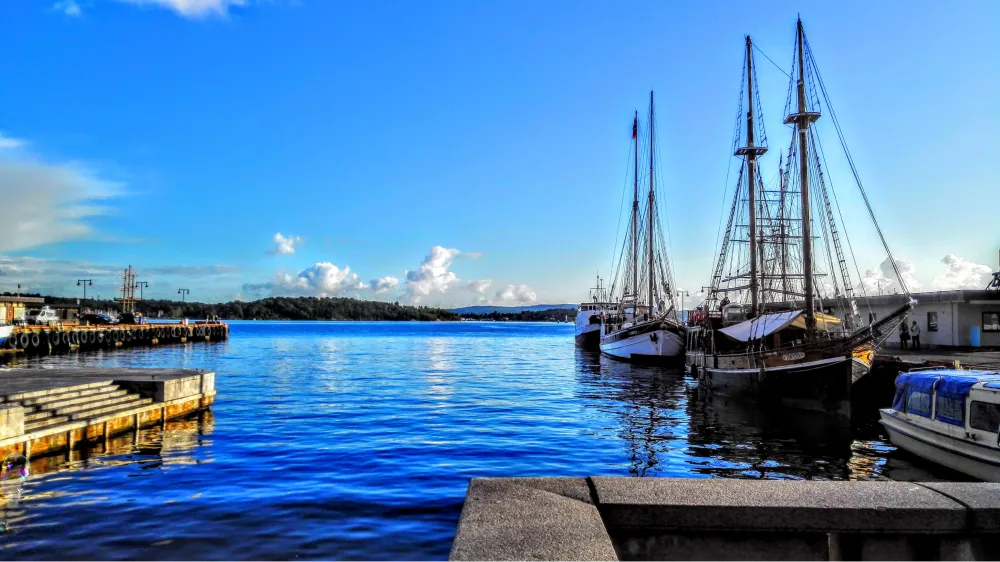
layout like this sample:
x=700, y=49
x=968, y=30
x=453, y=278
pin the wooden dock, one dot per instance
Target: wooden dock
x=49, y=410
x=44, y=340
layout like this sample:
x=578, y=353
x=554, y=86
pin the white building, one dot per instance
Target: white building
x=947, y=319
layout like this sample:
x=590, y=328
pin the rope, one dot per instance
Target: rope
x=854, y=170
x=781, y=70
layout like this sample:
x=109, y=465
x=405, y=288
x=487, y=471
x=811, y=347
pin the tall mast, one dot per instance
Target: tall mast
x=782, y=230
x=802, y=119
x=650, y=213
x=635, y=210
x=751, y=152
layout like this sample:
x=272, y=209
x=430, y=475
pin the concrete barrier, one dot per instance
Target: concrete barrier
x=603, y=518
x=11, y=420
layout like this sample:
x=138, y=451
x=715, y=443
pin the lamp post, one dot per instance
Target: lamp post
x=682, y=293
x=83, y=283
x=183, y=292
x=140, y=285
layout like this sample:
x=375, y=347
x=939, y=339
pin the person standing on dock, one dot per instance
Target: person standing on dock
x=915, y=334
x=904, y=334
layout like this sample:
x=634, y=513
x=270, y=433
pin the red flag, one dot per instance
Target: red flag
x=635, y=128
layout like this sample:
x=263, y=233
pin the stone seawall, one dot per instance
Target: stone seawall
x=611, y=518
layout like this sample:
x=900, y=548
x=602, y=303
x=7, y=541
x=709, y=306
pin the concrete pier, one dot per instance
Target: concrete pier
x=605, y=518
x=44, y=340
x=48, y=410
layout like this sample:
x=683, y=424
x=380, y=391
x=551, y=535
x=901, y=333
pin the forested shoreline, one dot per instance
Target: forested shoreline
x=307, y=308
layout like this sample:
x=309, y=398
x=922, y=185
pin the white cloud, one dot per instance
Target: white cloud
x=516, y=294
x=68, y=7
x=962, y=274
x=433, y=275
x=284, y=245
x=479, y=285
x=472, y=255
x=883, y=280
x=49, y=203
x=322, y=280
x=383, y=285
x=193, y=8
x=9, y=142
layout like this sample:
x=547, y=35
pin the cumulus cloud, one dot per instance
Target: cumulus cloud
x=68, y=7
x=383, y=285
x=322, y=280
x=284, y=245
x=433, y=275
x=46, y=204
x=516, y=294
x=193, y=8
x=9, y=142
x=962, y=274
x=479, y=285
x=883, y=280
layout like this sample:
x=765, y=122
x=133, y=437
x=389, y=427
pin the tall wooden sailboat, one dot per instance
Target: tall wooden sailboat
x=642, y=328
x=774, y=324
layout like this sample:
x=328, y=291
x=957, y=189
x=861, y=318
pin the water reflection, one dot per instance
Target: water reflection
x=51, y=478
x=649, y=402
x=671, y=427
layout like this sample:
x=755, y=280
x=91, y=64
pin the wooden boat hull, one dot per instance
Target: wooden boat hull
x=822, y=385
x=974, y=459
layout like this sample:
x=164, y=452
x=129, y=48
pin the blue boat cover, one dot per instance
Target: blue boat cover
x=952, y=389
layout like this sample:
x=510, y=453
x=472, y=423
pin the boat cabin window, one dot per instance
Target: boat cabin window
x=984, y=416
x=919, y=403
x=733, y=313
x=949, y=409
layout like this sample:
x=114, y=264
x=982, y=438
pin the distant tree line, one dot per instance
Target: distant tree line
x=548, y=315
x=274, y=308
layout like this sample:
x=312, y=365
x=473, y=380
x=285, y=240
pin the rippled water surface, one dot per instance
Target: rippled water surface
x=357, y=440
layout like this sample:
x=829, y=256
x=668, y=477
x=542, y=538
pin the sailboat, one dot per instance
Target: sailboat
x=774, y=325
x=641, y=328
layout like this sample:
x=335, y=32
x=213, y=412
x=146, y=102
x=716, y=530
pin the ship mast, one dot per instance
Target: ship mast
x=802, y=119
x=751, y=152
x=650, y=213
x=635, y=211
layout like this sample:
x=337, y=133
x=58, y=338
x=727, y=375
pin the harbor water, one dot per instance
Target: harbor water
x=343, y=440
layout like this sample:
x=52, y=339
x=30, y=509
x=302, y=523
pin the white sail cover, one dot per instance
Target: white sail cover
x=761, y=326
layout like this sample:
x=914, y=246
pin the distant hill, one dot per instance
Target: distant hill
x=511, y=309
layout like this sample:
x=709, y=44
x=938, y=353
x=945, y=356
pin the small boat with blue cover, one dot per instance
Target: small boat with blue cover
x=948, y=417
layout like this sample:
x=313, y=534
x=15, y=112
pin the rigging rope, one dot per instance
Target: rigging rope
x=614, y=249
x=854, y=170
x=782, y=70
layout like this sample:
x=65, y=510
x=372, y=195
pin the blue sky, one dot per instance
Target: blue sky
x=462, y=142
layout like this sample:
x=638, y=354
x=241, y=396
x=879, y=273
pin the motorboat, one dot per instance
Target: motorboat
x=949, y=417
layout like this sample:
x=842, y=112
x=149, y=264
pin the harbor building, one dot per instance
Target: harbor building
x=14, y=307
x=947, y=319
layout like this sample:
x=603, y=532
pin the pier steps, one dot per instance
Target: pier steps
x=45, y=409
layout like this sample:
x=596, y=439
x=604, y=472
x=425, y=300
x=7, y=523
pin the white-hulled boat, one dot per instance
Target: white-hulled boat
x=5, y=331
x=588, y=318
x=641, y=328
x=948, y=417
